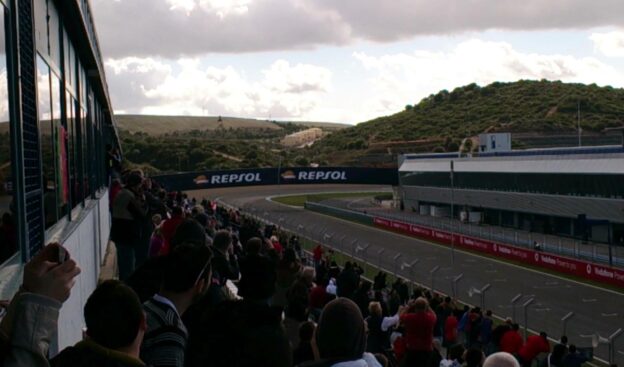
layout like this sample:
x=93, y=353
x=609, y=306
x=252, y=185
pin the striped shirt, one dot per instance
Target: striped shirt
x=166, y=336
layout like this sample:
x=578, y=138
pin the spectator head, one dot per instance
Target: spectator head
x=222, y=240
x=420, y=304
x=544, y=335
x=202, y=219
x=156, y=219
x=308, y=274
x=177, y=211
x=374, y=308
x=341, y=332
x=234, y=334
x=564, y=339
x=134, y=180
x=474, y=357
x=187, y=269
x=501, y=359
x=306, y=331
x=253, y=246
x=189, y=232
x=197, y=209
x=456, y=352
x=515, y=327
x=290, y=255
x=114, y=316
x=572, y=348
x=559, y=351
x=488, y=313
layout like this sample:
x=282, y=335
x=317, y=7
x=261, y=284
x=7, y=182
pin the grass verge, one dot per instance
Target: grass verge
x=299, y=200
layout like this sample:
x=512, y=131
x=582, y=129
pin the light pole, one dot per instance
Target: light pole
x=452, y=214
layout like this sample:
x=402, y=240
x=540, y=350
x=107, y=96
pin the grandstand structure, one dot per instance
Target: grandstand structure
x=55, y=122
x=572, y=192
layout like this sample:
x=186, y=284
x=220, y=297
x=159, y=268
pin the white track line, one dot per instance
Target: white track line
x=469, y=253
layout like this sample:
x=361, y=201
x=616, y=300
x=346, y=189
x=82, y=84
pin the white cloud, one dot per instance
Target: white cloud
x=170, y=28
x=307, y=92
x=610, y=44
x=400, y=79
x=284, y=91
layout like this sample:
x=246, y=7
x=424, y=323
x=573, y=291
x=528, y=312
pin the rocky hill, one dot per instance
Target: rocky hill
x=537, y=113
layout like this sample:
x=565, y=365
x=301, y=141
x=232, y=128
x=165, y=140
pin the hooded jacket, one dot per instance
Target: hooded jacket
x=89, y=353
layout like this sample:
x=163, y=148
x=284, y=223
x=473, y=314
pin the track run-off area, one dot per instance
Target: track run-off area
x=596, y=310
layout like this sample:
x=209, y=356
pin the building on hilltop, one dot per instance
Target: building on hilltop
x=304, y=137
x=55, y=124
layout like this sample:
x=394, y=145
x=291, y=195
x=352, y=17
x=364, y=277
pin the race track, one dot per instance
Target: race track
x=596, y=310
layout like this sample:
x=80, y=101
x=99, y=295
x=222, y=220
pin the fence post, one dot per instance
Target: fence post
x=410, y=266
x=483, y=290
x=454, y=284
x=513, y=306
x=395, y=259
x=612, y=338
x=379, y=253
x=525, y=306
x=564, y=323
x=363, y=249
x=432, y=272
x=353, y=247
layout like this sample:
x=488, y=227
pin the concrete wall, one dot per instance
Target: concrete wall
x=86, y=244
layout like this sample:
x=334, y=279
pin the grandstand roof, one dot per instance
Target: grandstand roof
x=587, y=160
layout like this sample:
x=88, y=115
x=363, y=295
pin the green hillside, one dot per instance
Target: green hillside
x=160, y=125
x=444, y=119
x=537, y=113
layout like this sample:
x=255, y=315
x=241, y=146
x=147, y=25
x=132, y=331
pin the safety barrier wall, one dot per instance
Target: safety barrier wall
x=340, y=213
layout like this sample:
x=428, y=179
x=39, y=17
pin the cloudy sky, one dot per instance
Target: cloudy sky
x=344, y=60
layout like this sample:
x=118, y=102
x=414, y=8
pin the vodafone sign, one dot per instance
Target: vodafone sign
x=564, y=265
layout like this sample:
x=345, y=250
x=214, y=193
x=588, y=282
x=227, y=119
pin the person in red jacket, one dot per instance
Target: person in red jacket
x=450, y=331
x=317, y=255
x=511, y=342
x=419, y=322
x=169, y=227
x=534, y=345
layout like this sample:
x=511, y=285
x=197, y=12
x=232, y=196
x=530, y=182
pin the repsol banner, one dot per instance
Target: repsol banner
x=273, y=176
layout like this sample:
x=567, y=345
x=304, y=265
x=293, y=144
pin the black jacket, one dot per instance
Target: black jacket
x=91, y=354
x=224, y=269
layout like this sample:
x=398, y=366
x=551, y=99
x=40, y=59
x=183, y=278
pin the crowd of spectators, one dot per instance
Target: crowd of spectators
x=204, y=285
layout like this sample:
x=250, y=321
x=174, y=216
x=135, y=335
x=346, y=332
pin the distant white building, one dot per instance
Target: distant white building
x=499, y=142
x=303, y=137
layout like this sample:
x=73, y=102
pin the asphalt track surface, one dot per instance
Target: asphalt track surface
x=596, y=310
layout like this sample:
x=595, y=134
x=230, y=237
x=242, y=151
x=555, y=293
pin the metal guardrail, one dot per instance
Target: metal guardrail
x=377, y=257
x=575, y=249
